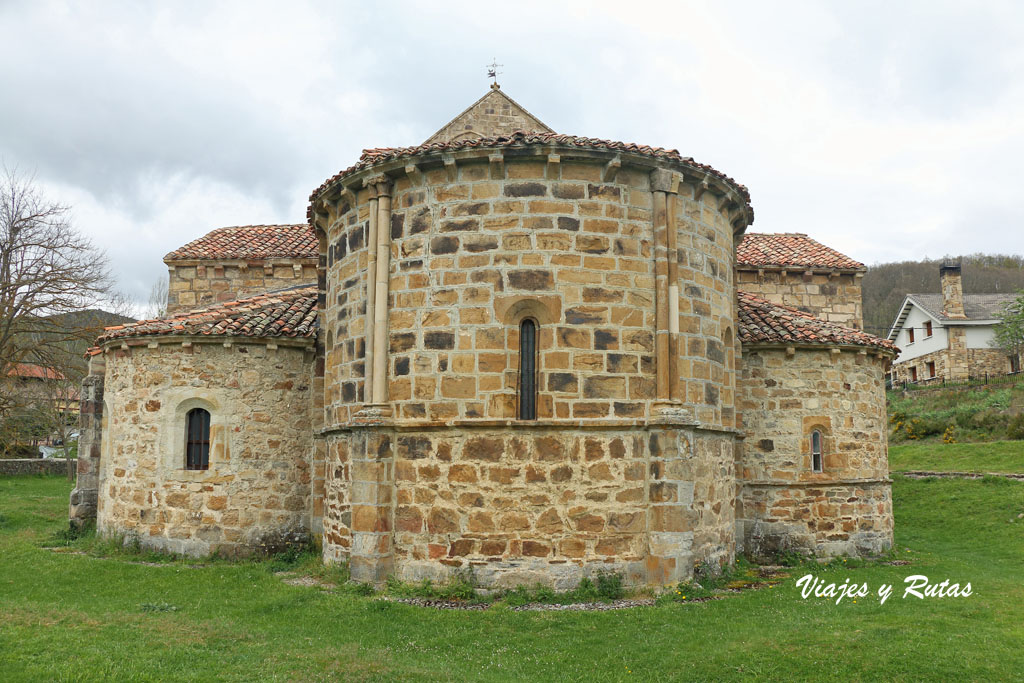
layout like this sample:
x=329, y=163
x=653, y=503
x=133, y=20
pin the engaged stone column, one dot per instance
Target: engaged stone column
x=82, y=507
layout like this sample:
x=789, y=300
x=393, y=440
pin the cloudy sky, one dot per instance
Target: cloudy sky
x=888, y=130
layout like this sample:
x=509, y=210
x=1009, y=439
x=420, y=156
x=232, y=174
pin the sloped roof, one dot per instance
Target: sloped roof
x=30, y=371
x=492, y=98
x=285, y=313
x=370, y=157
x=764, y=322
x=765, y=249
x=251, y=242
x=976, y=306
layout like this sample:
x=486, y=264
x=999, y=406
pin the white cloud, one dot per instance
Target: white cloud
x=888, y=131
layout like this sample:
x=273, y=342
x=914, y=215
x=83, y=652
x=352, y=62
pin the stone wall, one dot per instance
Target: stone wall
x=832, y=296
x=539, y=503
x=472, y=255
x=493, y=114
x=627, y=269
x=257, y=488
x=782, y=504
x=193, y=284
x=953, y=366
x=84, y=497
x=10, y=466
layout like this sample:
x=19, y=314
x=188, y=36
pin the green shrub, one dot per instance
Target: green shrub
x=1015, y=429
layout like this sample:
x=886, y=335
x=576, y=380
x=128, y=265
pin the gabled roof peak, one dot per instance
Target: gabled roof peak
x=493, y=114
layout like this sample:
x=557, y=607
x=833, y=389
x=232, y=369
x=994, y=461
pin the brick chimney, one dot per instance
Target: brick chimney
x=952, y=291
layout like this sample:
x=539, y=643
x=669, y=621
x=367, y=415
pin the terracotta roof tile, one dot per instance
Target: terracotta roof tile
x=30, y=371
x=761, y=249
x=285, y=313
x=371, y=157
x=251, y=242
x=763, y=322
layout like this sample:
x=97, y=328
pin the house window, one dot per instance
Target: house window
x=1014, y=363
x=913, y=374
x=197, y=439
x=528, y=370
x=931, y=369
x=816, y=462
x=927, y=328
x=910, y=335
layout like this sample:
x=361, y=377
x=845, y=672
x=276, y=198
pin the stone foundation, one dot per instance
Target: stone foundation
x=529, y=503
x=826, y=521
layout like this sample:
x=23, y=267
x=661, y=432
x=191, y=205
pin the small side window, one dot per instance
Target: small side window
x=528, y=370
x=927, y=328
x=197, y=439
x=816, y=460
x=910, y=335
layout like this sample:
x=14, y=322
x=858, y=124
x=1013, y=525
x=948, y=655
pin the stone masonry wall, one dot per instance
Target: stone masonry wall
x=10, y=466
x=477, y=243
x=972, y=363
x=194, y=284
x=782, y=503
x=470, y=257
x=536, y=504
x=257, y=488
x=835, y=297
x=494, y=114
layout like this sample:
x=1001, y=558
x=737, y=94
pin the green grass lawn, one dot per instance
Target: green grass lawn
x=994, y=456
x=77, y=617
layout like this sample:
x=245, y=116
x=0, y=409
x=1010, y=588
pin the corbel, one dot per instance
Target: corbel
x=297, y=270
x=554, y=164
x=268, y=270
x=790, y=351
x=153, y=345
x=728, y=199
x=414, y=173
x=760, y=273
x=450, y=167
x=348, y=196
x=783, y=273
x=863, y=352
x=835, y=351
x=611, y=169
x=675, y=182
x=700, y=187
x=497, y=161
x=228, y=344
x=186, y=344
x=271, y=346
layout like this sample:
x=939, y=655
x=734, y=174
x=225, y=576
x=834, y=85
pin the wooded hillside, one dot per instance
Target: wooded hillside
x=886, y=284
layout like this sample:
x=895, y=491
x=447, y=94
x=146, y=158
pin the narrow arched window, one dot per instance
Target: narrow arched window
x=197, y=439
x=528, y=370
x=816, y=451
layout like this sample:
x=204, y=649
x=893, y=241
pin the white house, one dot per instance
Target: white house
x=949, y=335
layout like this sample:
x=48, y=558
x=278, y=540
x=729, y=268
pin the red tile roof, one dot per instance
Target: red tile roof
x=30, y=371
x=763, y=249
x=524, y=139
x=251, y=242
x=763, y=322
x=285, y=313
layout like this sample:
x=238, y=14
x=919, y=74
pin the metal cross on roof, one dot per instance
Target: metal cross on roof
x=492, y=70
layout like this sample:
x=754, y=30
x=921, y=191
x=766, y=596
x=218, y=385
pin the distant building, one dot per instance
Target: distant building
x=948, y=336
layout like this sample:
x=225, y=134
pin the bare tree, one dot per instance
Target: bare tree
x=47, y=271
x=157, y=307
